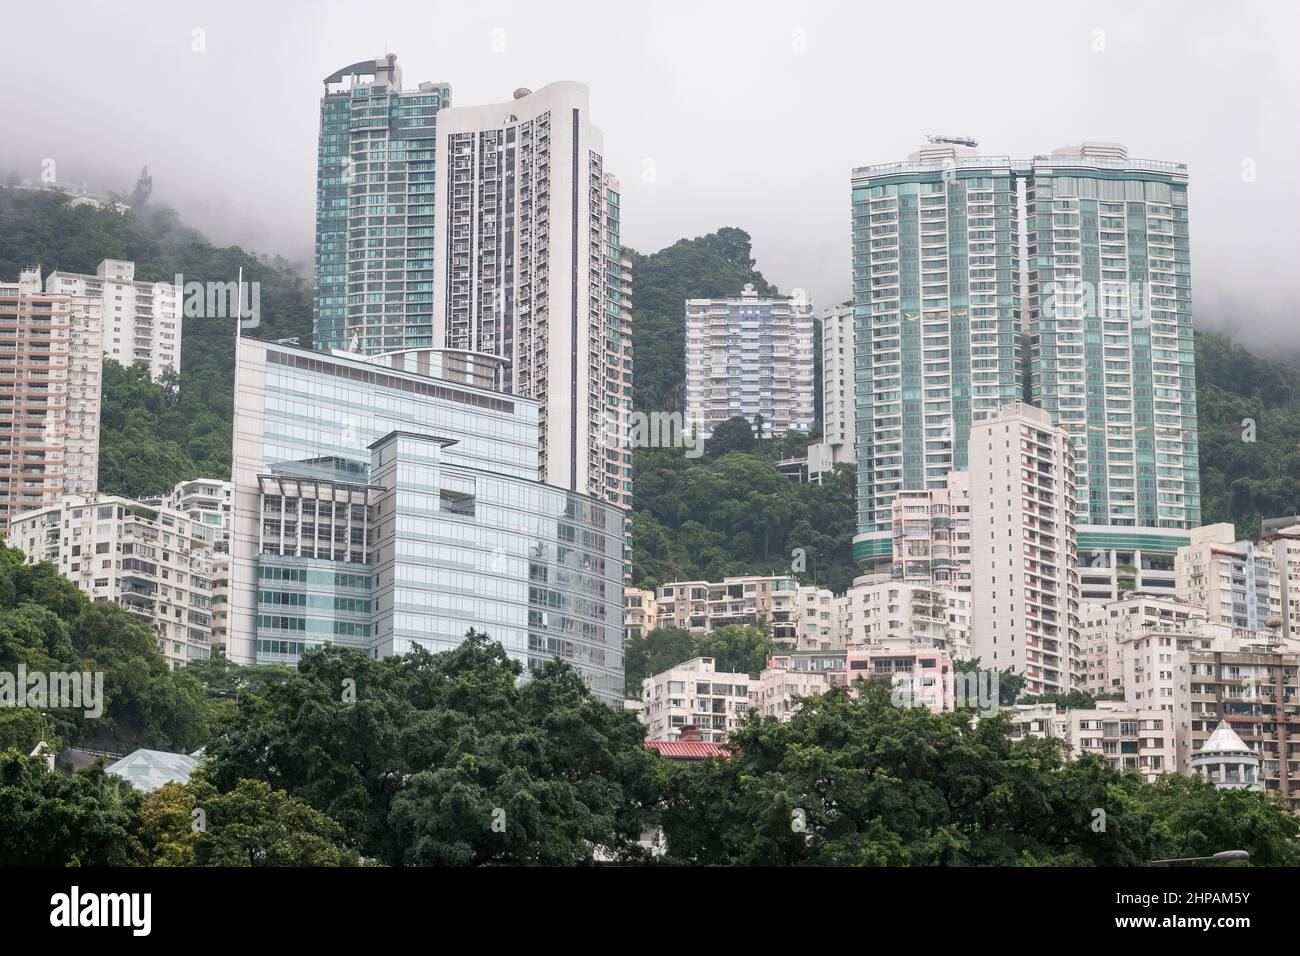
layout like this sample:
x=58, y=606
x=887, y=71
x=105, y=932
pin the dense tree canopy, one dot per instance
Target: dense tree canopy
x=447, y=759
x=55, y=819
x=47, y=624
x=1249, y=413
x=855, y=780
x=734, y=513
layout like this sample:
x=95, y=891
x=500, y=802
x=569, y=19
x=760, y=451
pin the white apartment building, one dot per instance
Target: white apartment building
x=155, y=562
x=702, y=606
x=141, y=321
x=1103, y=629
x=1023, y=549
x=694, y=694
x=1149, y=656
x=779, y=683
x=750, y=356
x=528, y=267
x=1124, y=736
x=50, y=375
x=639, y=611
x=872, y=612
x=1236, y=582
x=816, y=618
x=838, y=392
x=1037, y=720
x=204, y=499
x=931, y=535
x=1286, y=560
x=208, y=500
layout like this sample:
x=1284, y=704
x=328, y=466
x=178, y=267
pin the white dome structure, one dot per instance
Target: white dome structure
x=1226, y=761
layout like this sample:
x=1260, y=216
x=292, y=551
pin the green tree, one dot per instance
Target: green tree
x=416, y=767
x=254, y=825
x=56, y=819
x=735, y=434
x=852, y=779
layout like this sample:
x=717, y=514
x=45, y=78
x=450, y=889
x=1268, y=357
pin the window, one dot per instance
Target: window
x=456, y=502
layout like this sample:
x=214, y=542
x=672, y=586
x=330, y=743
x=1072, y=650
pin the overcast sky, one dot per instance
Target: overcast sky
x=748, y=114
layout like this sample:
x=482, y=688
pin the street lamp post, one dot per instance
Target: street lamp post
x=1221, y=855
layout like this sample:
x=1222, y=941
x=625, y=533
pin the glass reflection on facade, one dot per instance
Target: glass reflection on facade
x=381, y=509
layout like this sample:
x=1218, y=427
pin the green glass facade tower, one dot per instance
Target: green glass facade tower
x=937, y=315
x=375, y=209
x=1110, y=322
x=1063, y=281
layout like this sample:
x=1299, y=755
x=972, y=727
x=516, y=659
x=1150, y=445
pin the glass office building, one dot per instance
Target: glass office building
x=389, y=502
x=374, y=209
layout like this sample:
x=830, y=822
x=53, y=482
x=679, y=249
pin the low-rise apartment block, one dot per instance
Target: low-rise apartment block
x=874, y=611
x=1105, y=627
x=1125, y=737
x=694, y=694
x=703, y=606
x=1236, y=582
x=155, y=562
x=920, y=676
x=778, y=686
x=639, y=612
x=204, y=499
x=1255, y=691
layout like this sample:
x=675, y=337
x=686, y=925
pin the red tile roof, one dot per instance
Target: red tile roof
x=687, y=749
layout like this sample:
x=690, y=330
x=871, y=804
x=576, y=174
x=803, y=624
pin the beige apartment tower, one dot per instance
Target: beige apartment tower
x=50, y=368
x=1024, y=561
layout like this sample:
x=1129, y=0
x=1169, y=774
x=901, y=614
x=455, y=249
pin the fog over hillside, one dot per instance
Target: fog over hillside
x=727, y=113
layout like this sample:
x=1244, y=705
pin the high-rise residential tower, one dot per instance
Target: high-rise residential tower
x=374, y=209
x=1110, y=322
x=528, y=267
x=936, y=297
x=141, y=319
x=750, y=356
x=1063, y=280
x=50, y=373
x=154, y=561
x=839, y=405
x=1024, y=560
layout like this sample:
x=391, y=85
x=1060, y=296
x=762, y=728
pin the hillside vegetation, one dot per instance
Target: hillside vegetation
x=693, y=518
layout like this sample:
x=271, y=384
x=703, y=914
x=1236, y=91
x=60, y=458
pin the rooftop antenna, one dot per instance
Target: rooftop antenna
x=953, y=140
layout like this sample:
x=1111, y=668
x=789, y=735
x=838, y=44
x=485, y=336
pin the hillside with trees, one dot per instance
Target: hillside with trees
x=1249, y=413
x=157, y=433
x=47, y=625
x=715, y=265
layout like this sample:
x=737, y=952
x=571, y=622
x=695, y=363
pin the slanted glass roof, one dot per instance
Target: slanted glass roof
x=148, y=770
